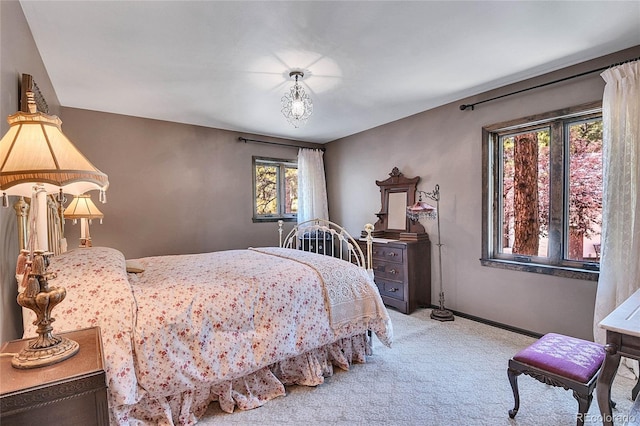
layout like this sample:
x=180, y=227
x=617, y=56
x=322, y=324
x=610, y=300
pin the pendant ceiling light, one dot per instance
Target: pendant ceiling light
x=296, y=104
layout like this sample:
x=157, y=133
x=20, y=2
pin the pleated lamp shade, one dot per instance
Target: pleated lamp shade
x=35, y=150
x=81, y=207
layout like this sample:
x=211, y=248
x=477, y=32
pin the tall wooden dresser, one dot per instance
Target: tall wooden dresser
x=401, y=253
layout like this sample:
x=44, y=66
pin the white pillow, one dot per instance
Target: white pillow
x=134, y=266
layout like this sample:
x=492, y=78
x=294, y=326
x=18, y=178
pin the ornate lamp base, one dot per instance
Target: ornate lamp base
x=442, y=315
x=32, y=357
x=46, y=349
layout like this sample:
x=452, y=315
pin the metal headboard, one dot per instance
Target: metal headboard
x=325, y=237
x=55, y=224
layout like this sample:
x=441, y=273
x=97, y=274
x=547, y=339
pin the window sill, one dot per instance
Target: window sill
x=558, y=271
x=274, y=219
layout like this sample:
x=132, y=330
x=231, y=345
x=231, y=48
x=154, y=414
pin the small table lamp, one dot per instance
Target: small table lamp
x=83, y=208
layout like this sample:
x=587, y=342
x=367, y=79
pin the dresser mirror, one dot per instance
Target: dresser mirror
x=398, y=210
x=397, y=193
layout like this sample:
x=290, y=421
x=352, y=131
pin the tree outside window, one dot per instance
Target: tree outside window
x=585, y=188
x=275, y=189
x=543, y=192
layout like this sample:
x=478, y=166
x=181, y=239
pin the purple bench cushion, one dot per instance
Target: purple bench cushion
x=565, y=356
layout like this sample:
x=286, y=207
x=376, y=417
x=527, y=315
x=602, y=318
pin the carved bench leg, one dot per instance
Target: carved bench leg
x=584, y=402
x=513, y=379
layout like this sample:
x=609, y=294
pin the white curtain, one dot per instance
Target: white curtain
x=312, y=186
x=620, y=260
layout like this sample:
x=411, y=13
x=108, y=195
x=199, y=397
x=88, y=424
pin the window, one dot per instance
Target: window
x=275, y=189
x=542, y=193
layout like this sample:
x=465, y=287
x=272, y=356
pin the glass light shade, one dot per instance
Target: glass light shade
x=421, y=210
x=35, y=150
x=297, y=106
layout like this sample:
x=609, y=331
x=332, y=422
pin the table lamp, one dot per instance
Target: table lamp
x=36, y=159
x=81, y=207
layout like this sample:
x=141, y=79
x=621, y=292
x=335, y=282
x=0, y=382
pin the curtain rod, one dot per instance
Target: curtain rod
x=465, y=106
x=245, y=140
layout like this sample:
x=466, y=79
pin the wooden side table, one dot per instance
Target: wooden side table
x=72, y=392
x=623, y=339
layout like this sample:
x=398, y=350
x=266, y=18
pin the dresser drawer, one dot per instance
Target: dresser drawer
x=402, y=273
x=390, y=254
x=391, y=289
x=388, y=270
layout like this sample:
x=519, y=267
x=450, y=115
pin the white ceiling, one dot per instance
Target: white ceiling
x=226, y=64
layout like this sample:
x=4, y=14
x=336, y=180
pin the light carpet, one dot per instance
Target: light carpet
x=436, y=374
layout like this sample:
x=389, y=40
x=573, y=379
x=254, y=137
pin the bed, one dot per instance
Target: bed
x=233, y=326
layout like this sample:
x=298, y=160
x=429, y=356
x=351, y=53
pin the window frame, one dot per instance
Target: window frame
x=555, y=264
x=281, y=164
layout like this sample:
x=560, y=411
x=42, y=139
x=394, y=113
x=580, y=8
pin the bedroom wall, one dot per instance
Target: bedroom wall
x=183, y=189
x=173, y=188
x=443, y=146
x=18, y=54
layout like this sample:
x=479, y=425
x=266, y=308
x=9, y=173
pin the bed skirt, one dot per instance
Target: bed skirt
x=248, y=392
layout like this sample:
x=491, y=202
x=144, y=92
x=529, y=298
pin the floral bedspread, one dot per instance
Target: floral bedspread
x=98, y=295
x=232, y=326
x=349, y=292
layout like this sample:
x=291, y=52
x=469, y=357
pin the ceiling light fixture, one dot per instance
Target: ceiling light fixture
x=296, y=104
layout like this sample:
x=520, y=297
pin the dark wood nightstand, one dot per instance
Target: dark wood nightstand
x=72, y=392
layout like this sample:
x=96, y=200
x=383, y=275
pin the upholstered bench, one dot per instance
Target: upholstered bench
x=561, y=361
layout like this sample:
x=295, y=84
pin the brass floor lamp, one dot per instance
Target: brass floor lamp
x=422, y=210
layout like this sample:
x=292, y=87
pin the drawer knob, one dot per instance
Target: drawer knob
x=393, y=289
x=393, y=271
x=391, y=254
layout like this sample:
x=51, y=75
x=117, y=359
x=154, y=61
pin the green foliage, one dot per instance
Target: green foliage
x=276, y=189
x=266, y=189
x=291, y=190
